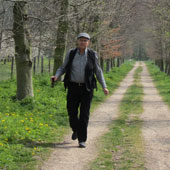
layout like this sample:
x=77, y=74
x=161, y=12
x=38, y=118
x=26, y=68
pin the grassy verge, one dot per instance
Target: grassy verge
x=121, y=148
x=161, y=80
x=30, y=128
x=5, y=69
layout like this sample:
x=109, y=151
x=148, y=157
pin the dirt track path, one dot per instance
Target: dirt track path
x=156, y=127
x=67, y=155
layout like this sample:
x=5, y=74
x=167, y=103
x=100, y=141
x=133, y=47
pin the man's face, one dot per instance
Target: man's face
x=83, y=43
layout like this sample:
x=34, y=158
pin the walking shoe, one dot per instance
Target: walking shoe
x=82, y=144
x=74, y=136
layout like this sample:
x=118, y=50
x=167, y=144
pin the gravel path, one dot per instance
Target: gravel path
x=67, y=155
x=156, y=126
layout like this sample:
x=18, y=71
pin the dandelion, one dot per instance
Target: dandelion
x=33, y=153
x=27, y=128
x=46, y=125
x=22, y=121
x=1, y=144
x=41, y=124
x=2, y=120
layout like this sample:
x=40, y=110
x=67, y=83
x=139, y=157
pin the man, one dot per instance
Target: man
x=79, y=67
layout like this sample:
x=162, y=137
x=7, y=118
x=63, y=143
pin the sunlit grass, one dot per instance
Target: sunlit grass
x=30, y=128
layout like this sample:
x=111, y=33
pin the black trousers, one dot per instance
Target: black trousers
x=79, y=96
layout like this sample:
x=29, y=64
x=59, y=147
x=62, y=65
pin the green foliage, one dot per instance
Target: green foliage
x=139, y=51
x=5, y=69
x=29, y=128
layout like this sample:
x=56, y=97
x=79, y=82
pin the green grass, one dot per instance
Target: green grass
x=161, y=80
x=5, y=69
x=30, y=128
x=121, y=148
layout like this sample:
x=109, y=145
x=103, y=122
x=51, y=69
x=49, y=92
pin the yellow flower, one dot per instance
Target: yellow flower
x=27, y=128
x=33, y=153
x=13, y=114
x=7, y=114
x=1, y=144
x=35, y=148
x=46, y=125
x=41, y=124
x=3, y=120
x=22, y=121
x=26, y=118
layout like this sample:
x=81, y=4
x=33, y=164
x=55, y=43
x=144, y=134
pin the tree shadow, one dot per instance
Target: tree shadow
x=31, y=144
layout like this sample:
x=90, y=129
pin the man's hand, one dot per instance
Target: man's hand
x=53, y=78
x=106, y=91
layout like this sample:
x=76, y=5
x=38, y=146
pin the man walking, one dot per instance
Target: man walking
x=80, y=67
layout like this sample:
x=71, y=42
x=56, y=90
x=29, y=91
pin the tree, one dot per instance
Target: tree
x=22, y=51
x=61, y=36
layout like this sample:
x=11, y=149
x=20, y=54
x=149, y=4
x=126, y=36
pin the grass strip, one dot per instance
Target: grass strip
x=122, y=147
x=161, y=81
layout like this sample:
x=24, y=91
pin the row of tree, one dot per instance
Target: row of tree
x=119, y=30
x=161, y=27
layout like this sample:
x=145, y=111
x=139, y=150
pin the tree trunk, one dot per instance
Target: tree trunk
x=102, y=63
x=2, y=26
x=22, y=51
x=168, y=67
x=61, y=36
x=34, y=65
x=49, y=64
x=118, y=62
x=114, y=62
x=160, y=64
x=107, y=65
x=111, y=64
x=42, y=64
x=12, y=67
x=39, y=47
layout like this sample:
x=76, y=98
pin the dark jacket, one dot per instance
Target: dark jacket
x=90, y=80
